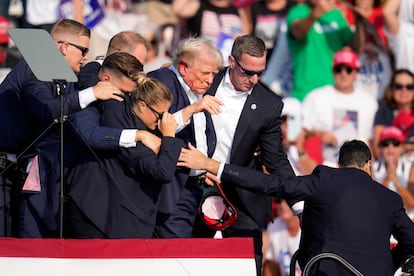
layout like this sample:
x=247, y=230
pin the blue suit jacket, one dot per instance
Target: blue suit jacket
x=171, y=193
x=258, y=127
x=346, y=213
x=28, y=107
x=119, y=192
x=86, y=123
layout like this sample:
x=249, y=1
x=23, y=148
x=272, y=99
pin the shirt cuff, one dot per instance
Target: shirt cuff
x=127, y=138
x=86, y=96
x=179, y=119
x=297, y=208
x=220, y=170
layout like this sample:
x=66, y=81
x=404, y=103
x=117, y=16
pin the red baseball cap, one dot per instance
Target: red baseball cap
x=215, y=210
x=346, y=57
x=392, y=132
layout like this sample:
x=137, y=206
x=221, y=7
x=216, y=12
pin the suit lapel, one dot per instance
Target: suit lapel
x=247, y=117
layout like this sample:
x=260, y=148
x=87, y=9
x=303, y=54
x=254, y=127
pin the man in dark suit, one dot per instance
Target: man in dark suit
x=195, y=63
x=87, y=122
x=346, y=212
x=250, y=120
x=29, y=112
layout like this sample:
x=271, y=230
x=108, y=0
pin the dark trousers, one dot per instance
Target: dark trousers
x=245, y=226
x=79, y=226
x=179, y=224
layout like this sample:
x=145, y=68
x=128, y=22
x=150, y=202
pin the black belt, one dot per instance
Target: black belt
x=198, y=180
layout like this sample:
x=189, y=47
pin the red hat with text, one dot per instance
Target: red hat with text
x=346, y=57
x=392, y=132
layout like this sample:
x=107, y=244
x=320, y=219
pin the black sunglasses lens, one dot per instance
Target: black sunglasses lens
x=399, y=86
x=252, y=73
x=392, y=142
x=339, y=69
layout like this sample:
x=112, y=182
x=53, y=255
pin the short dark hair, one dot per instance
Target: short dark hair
x=354, y=153
x=123, y=64
x=248, y=44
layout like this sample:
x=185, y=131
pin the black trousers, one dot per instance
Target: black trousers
x=245, y=226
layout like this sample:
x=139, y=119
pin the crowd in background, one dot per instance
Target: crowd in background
x=343, y=68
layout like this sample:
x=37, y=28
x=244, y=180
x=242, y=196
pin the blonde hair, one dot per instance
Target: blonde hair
x=192, y=48
x=69, y=27
x=150, y=90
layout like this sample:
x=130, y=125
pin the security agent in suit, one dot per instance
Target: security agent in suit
x=29, y=107
x=346, y=212
x=87, y=122
x=195, y=63
x=117, y=196
x=250, y=119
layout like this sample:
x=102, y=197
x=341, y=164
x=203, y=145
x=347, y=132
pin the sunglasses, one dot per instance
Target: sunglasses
x=156, y=113
x=400, y=86
x=386, y=143
x=248, y=73
x=339, y=69
x=84, y=50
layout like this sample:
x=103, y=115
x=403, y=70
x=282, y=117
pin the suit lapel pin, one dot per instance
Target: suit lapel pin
x=253, y=107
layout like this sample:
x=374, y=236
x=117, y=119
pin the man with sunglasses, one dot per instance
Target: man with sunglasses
x=340, y=112
x=250, y=120
x=30, y=107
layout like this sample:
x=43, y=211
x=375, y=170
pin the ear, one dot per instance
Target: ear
x=63, y=48
x=232, y=62
x=141, y=106
x=368, y=168
x=105, y=77
x=182, y=68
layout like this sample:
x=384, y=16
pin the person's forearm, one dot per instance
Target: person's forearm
x=211, y=166
x=390, y=15
x=300, y=28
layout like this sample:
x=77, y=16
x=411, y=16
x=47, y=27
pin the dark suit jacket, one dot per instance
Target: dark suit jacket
x=258, y=126
x=171, y=193
x=346, y=213
x=86, y=123
x=27, y=108
x=120, y=193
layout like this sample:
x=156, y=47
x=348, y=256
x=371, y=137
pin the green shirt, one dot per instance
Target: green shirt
x=312, y=55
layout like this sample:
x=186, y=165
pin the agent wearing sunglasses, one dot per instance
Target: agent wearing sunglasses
x=339, y=112
x=37, y=107
x=393, y=169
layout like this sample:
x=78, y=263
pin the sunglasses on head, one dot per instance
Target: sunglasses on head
x=339, y=69
x=84, y=50
x=248, y=73
x=400, y=86
x=393, y=142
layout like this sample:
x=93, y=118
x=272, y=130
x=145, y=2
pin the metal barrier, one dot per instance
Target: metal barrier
x=317, y=258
